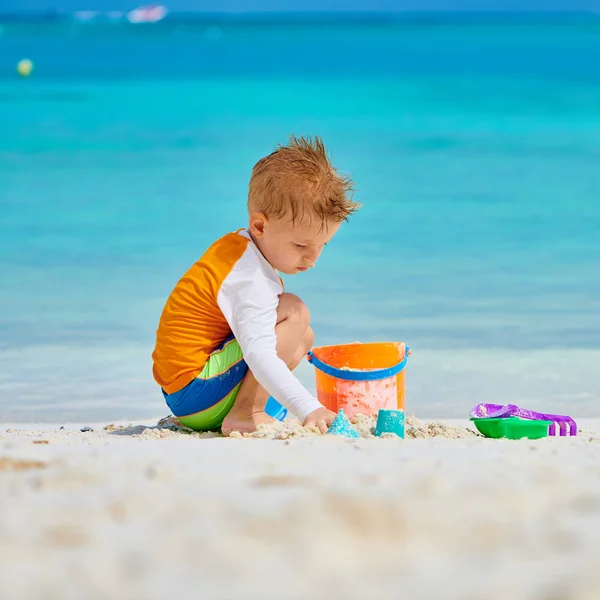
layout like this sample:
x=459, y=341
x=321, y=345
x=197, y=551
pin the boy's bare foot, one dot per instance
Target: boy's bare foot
x=245, y=423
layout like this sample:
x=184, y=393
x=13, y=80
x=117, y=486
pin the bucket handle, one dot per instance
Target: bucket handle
x=359, y=375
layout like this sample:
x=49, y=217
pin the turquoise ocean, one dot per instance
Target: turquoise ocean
x=474, y=145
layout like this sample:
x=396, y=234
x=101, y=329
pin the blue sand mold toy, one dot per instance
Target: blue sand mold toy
x=342, y=426
x=390, y=421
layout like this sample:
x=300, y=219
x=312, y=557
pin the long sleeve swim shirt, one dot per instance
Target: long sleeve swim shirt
x=231, y=289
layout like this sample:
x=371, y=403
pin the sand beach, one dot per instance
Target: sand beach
x=140, y=511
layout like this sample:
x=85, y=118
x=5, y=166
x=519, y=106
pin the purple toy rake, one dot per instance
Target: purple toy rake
x=498, y=411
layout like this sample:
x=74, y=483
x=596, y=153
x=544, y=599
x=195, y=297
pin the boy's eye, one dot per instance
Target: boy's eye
x=300, y=246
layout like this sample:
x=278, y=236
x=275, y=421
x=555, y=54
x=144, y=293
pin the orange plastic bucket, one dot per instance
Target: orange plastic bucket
x=360, y=378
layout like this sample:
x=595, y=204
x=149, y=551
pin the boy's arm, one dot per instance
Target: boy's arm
x=249, y=300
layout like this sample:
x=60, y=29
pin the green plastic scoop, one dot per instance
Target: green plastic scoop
x=512, y=428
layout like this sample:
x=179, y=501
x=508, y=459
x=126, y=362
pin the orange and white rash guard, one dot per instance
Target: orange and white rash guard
x=231, y=289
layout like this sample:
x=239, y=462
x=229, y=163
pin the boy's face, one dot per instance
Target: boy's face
x=291, y=247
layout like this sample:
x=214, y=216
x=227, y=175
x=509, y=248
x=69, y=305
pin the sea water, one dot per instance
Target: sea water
x=474, y=146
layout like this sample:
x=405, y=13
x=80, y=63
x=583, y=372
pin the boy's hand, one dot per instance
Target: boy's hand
x=321, y=418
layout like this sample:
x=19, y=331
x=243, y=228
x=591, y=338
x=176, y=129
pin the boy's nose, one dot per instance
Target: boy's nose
x=312, y=257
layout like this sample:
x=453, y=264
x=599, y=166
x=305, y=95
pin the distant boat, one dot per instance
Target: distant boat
x=147, y=14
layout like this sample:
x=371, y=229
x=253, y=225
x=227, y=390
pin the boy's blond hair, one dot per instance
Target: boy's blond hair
x=299, y=180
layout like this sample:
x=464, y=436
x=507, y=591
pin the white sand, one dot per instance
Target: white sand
x=143, y=514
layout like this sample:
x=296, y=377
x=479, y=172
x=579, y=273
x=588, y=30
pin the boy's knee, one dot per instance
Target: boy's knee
x=291, y=307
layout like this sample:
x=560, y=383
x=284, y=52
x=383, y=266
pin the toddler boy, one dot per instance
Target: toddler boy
x=229, y=337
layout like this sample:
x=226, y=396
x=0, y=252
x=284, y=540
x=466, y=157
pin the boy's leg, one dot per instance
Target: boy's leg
x=294, y=339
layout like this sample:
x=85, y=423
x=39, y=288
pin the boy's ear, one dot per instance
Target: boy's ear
x=258, y=222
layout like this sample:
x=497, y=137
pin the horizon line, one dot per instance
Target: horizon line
x=55, y=14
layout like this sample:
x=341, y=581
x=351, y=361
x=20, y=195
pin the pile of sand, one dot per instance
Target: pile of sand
x=292, y=429
x=416, y=429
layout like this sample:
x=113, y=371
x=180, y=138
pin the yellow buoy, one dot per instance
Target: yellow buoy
x=24, y=67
